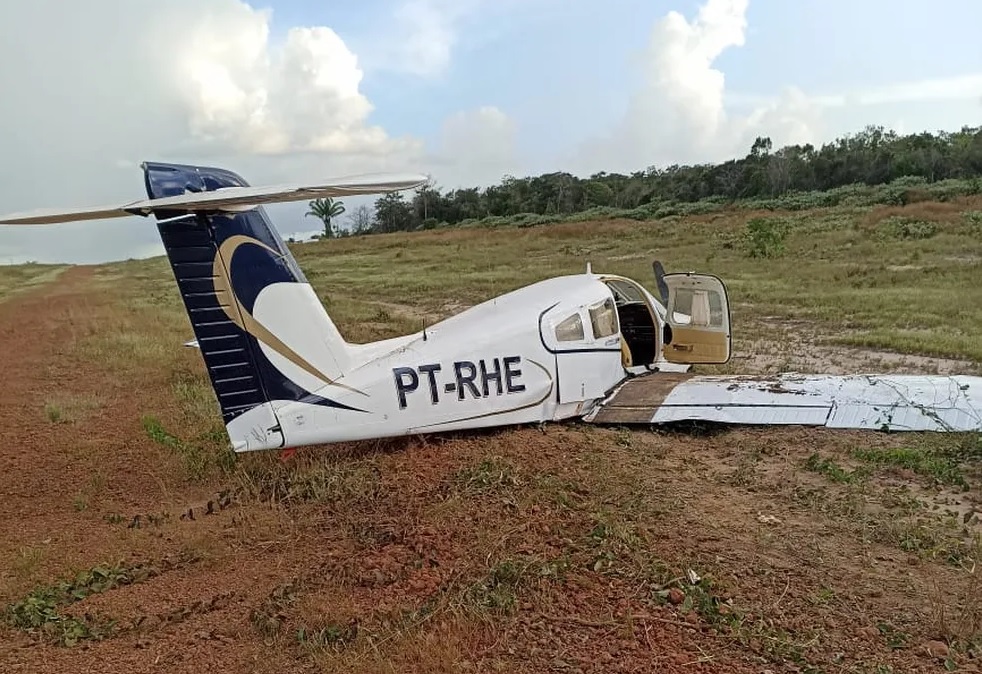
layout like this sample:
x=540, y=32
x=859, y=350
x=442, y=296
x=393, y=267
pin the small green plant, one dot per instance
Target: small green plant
x=28, y=562
x=330, y=636
x=765, y=237
x=824, y=595
x=833, y=471
x=53, y=412
x=38, y=613
x=907, y=228
x=208, y=451
x=489, y=475
x=974, y=220
x=941, y=465
x=896, y=639
x=267, y=619
x=498, y=591
x=69, y=408
x=155, y=431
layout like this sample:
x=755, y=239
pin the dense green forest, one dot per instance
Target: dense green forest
x=872, y=166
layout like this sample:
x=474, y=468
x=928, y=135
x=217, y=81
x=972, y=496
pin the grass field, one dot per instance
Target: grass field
x=15, y=278
x=134, y=541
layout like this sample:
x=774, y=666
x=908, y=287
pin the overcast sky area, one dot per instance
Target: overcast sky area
x=465, y=90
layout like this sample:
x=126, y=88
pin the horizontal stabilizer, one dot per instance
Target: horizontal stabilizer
x=865, y=402
x=226, y=199
x=47, y=216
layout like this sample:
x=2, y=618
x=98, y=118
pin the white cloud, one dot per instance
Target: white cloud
x=428, y=38
x=418, y=37
x=243, y=94
x=679, y=113
x=477, y=147
x=676, y=109
x=680, y=60
x=959, y=88
x=114, y=82
x=682, y=112
x=792, y=118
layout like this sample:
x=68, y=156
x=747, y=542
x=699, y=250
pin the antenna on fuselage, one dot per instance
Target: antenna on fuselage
x=589, y=267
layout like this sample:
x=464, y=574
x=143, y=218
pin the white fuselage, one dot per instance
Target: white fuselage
x=500, y=362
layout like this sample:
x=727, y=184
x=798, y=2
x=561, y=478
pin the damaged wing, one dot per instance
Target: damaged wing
x=878, y=402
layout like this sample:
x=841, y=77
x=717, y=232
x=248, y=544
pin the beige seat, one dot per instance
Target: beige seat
x=701, y=315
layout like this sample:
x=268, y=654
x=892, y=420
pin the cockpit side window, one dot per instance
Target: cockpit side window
x=570, y=329
x=603, y=317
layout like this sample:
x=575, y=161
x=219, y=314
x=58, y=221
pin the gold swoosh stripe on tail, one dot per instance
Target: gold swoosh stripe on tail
x=237, y=314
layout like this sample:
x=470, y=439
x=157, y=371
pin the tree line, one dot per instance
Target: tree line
x=873, y=156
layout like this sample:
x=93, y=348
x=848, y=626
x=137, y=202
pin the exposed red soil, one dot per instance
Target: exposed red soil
x=517, y=550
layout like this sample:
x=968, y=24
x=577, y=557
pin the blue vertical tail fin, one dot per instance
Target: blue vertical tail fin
x=265, y=338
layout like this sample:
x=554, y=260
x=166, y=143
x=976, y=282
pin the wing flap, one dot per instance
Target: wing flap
x=878, y=402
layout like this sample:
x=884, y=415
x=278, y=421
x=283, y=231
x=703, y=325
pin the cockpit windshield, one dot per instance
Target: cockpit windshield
x=624, y=293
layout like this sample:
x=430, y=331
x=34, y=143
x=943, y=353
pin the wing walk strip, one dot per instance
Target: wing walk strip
x=896, y=403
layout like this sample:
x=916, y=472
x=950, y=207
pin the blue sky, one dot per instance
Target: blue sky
x=842, y=44
x=495, y=62
x=466, y=90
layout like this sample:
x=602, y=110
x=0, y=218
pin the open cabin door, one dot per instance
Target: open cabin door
x=698, y=318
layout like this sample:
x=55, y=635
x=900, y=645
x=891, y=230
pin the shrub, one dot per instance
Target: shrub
x=765, y=237
x=907, y=228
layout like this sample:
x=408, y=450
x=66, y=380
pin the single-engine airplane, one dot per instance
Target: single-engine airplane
x=594, y=346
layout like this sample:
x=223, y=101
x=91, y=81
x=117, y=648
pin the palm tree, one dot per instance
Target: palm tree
x=324, y=210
